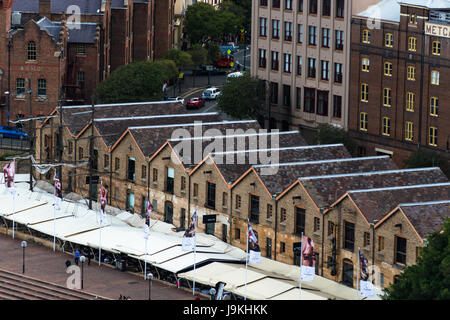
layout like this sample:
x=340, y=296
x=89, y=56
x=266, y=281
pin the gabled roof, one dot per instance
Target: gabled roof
x=375, y=203
x=50, y=27
x=424, y=217
x=324, y=190
x=58, y=6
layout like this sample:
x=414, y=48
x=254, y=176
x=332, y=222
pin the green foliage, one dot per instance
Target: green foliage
x=199, y=55
x=200, y=22
x=328, y=134
x=182, y=59
x=429, y=279
x=137, y=81
x=213, y=53
x=242, y=9
x=239, y=98
x=423, y=158
x=4, y=157
x=168, y=68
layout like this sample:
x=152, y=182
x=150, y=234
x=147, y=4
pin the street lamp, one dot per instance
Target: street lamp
x=24, y=245
x=150, y=278
x=82, y=259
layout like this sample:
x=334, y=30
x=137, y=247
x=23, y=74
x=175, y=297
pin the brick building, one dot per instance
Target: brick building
x=400, y=63
x=101, y=36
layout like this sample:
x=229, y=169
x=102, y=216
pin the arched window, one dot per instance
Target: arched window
x=31, y=50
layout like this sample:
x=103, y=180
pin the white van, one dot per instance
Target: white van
x=211, y=93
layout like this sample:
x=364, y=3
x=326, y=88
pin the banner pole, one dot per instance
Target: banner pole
x=301, y=262
x=54, y=227
x=357, y=276
x=195, y=250
x=14, y=209
x=246, y=261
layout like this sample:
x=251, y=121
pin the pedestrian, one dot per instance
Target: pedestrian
x=197, y=297
x=77, y=256
x=89, y=257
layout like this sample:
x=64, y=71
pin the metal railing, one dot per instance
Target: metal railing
x=14, y=144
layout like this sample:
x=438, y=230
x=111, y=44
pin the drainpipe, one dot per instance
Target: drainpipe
x=274, y=197
x=231, y=211
x=110, y=178
x=323, y=238
x=189, y=199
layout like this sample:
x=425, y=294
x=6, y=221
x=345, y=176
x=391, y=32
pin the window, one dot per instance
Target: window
x=237, y=234
x=299, y=65
x=436, y=48
x=81, y=49
x=364, y=92
x=434, y=106
x=363, y=121
x=411, y=73
x=80, y=79
x=275, y=3
x=365, y=64
x=238, y=202
x=80, y=153
x=262, y=58
x=387, y=97
x=286, y=95
x=388, y=40
x=409, y=131
x=283, y=215
x=31, y=51
x=410, y=97
x=432, y=141
x=412, y=18
x=388, y=69
x=325, y=37
x=400, y=250
x=312, y=35
x=412, y=44
x=325, y=74
x=435, y=77
x=42, y=88
x=211, y=195
x=263, y=27
x=310, y=100
x=20, y=87
x=288, y=31
x=381, y=279
x=170, y=177
x=311, y=67
x=154, y=175
x=143, y=172
x=274, y=60
x=282, y=247
x=183, y=183
x=313, y=6
x=288, y=4
x=105, y=160
x=224, y=199
x=330, y=228
x=254, y=208
x=195, y=191
x=299, y=98
x=322, y=103
x=339, y=42
x=131, y=169
x=337, y=106
x=338, y=74
x=339, y=8
x=316, y=224
x=263, y=3
x=326, y=8
x=299, y=220
x=386, y=126
x=274, y=92
x=269, y=211
x=287, y=62
x=380, y=243
x=366, y=36
x=275, y=29
x=269, y=248
x=366, y=239
x=349, y=236
x=300, y=33
x=300, y=5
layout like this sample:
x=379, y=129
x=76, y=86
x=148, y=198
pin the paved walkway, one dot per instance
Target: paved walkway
x=44, y=264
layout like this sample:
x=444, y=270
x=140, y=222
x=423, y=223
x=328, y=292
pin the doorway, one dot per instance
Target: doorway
x=347, y=273
x=168, y=212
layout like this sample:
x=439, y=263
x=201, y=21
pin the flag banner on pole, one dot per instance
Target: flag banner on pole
x=253, y=247
x=188, y=242
x=149, y=208
x=8, y=172
x=308, y=267
x=58, y=191
x=146, y=231
x=366, y=287
x=103, y=193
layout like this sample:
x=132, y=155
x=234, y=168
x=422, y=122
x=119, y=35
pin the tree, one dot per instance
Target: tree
x=137, y=81
x=429, y=279
x=423, y=158
x=199, y=55
x=182, y=59
x=239, y=98
x=242, y=9
x=168, y=68
x=200, y=22
x=213, y=53
x=328, y=134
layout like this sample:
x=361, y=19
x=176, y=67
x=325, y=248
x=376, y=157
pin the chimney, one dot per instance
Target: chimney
x=5, y=15
x=45, y=8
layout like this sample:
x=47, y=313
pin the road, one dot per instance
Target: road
x=239, y=58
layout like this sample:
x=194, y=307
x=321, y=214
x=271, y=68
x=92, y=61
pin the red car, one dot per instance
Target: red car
x=195, y=103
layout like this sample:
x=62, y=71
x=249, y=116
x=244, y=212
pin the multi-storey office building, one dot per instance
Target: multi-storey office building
x=399, y=67
x=300, y=48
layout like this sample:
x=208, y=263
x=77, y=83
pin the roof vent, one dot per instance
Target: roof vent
x=16, y=19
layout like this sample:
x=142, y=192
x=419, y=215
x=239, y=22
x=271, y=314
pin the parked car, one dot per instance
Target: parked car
x=195, y=103
x=176, y=99
x=236, y=74
x=11, y=132
x=211, y=93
